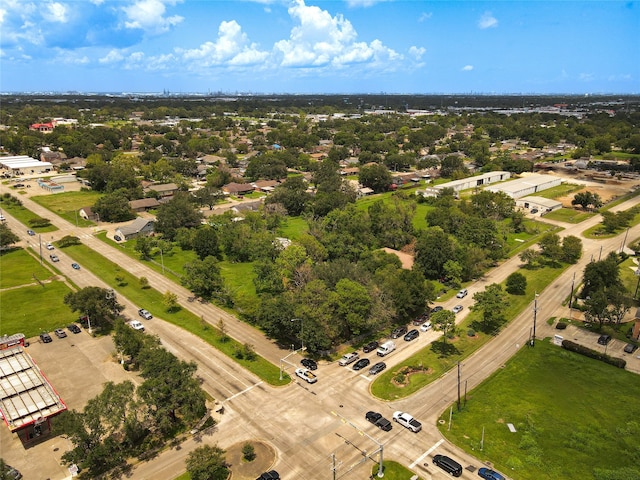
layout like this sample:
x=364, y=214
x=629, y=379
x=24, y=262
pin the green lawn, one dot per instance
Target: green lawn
x=33, y=309
x=23, y=215
x=569, y=424
x=17, y=267
x=152, y=300
x=569, y=216
x=560, y=190
x=393, y=471
x=66, y=205
x=293, y=228
x=429, y=364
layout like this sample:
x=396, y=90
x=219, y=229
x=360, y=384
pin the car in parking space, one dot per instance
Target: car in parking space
x=360, y=364
x=399, y=331
x=411, y=335
x=10, y=473
x=377, y=368
x=50, y=247
x=462, y=293
x=117, y=238
x=436, y=309
x=534, y=210
x=310, y=364
x=145, y=314
x=448, y=464
x=54, y=258
x=348, y=358
x=75, y=266
x=45, y=337
x=630, y=348
x=604, y=339
x=425, y=326
x=31, y=232
x=270, y=475
x=60, y=333
x=306, y=375
x=73, y=328
x=489, y=474
x=370, y=347
x=457, y=308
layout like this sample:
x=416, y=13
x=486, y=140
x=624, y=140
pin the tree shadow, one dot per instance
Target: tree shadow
x=444, y=349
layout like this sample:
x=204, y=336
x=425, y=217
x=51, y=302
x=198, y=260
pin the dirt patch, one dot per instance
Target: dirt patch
x=402, y=377
x=243, y=470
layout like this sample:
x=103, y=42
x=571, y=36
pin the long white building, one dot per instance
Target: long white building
x=527, y=185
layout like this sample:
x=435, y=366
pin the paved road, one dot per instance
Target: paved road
x=307, y=423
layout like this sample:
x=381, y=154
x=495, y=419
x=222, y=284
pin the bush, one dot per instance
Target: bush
x=561, y=325
x=248, y=452
x=587, y=352
x=39, y=222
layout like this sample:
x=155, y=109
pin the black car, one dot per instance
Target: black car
x=399, y=331
x=73, y=328
x=117, y=238
x=45, y=337
x=360, y=364
x=630, y=348
x=372, y=417
x=411, y=335
x=270, y=475
x=370, y=347
x=604, y=339
x=308, y=363
x=437, y=308
x=377, y=368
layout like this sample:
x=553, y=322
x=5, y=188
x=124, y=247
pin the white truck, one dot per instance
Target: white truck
x=386, y=348
x=407, y=421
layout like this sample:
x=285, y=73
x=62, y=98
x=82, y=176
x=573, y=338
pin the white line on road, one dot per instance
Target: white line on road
x=421, y=457
x=368, y=379
x=243, y=391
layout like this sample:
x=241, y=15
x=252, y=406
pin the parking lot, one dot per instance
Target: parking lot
x=77, y=367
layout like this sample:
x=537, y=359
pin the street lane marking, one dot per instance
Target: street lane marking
x=421, y=457
x=240, y=393
x=368, y=379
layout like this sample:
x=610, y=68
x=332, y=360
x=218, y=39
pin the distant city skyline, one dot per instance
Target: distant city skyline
x=320, y=47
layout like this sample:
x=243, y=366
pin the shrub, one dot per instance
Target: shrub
x=587, y=352
x=248, y=452
x=39, y=222
x=561, y=325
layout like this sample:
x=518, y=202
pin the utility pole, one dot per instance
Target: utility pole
x=458, y=386
x=571, y=296
x=535, y=313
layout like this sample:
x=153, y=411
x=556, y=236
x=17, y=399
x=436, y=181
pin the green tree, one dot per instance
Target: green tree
x=530, y=258
x=177, y=213
x=587, y=200
x=550, y=247
x=492, y=304
x=170, y=301
x=433, y=249
x=114, y=207
x=292, y=194
x=203, y=278
x=98, y=303
x=208, y=195
x=516, y=284
x=7, y=237
x=207, y=463
x=444, y=321
x=375, y=176
x=205, y=243
x=600, y=275
x=571, y=249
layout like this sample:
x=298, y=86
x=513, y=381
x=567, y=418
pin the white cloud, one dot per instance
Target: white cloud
x=363, y=3
x=425, y=16
x=97, y=2
x=487, y=21
x=149, y=15
x=68, y=57
x=55, y=12
x=232, y=46
x=113, y=56
x=467, y=68
x=417, y=52
x=586, y=77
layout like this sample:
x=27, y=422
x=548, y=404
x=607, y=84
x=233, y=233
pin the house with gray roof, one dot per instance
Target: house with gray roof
x=140, y=226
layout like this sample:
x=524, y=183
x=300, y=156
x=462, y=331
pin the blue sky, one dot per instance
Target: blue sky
x=306, y=46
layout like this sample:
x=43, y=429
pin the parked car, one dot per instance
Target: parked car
x=462, y=293
x=117, y=238
x=399, y=331
x=360, y=364
x=10, y=473
x=377, y=368
x=75, y=266
x=136, y=325
x=436, y=309
x=457, y=308
x=45, y=337
x=604, y=339
x=370, y=347
x=489, y=474
x=306, y=375
x=308, y=363
x=60, y=333
x=348, y=358
x=270, y=475
x=2, y=218
x=378, y=420
x=534, y=210
x=50, y=247
x=145, y=314
x=54, y=258
x=425, y=326
x=630, y=348
x=73, y=328
x=449, y=465
x=31, y=232
x=411, y=335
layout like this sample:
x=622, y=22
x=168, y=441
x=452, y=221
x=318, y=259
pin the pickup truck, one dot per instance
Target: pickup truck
x=348, y=358
x=407, y=421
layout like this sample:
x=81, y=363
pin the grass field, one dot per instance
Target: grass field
x=66, y=205
x=152, y=300
x=569, y=216
x=569, y=424
x=17, y=267
x=24, y=215
x=560, y=190
x=429, y=364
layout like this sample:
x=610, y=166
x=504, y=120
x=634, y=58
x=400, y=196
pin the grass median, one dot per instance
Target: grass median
x=129, y=286
x=574, y=418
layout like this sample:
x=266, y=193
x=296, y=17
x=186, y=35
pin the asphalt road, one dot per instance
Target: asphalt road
x=318, y=429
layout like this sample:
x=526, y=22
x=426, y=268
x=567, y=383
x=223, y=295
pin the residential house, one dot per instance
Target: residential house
x=234, y=188
x=140, y=226
x=266, y=186
x=88, y=214
x=164, y=190
x=144, y=204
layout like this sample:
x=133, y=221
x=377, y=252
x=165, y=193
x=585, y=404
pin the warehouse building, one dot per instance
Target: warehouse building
x=526, y=185
x=23, y=165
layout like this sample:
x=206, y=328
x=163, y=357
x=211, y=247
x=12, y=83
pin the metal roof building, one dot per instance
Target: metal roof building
x=526, y=185
x=24, y=165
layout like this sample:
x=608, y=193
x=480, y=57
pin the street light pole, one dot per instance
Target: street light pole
x=162, y=261
x=571, y=296
x=301, y=331
x=535, y=314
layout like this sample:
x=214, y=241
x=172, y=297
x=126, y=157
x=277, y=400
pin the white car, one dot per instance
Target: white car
x=425, y=326
x=307, y=375
x=457, y=308
x=348, y=358
x=462, y=293
x=50, y=247
x=145, y=314
x=136, y=325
